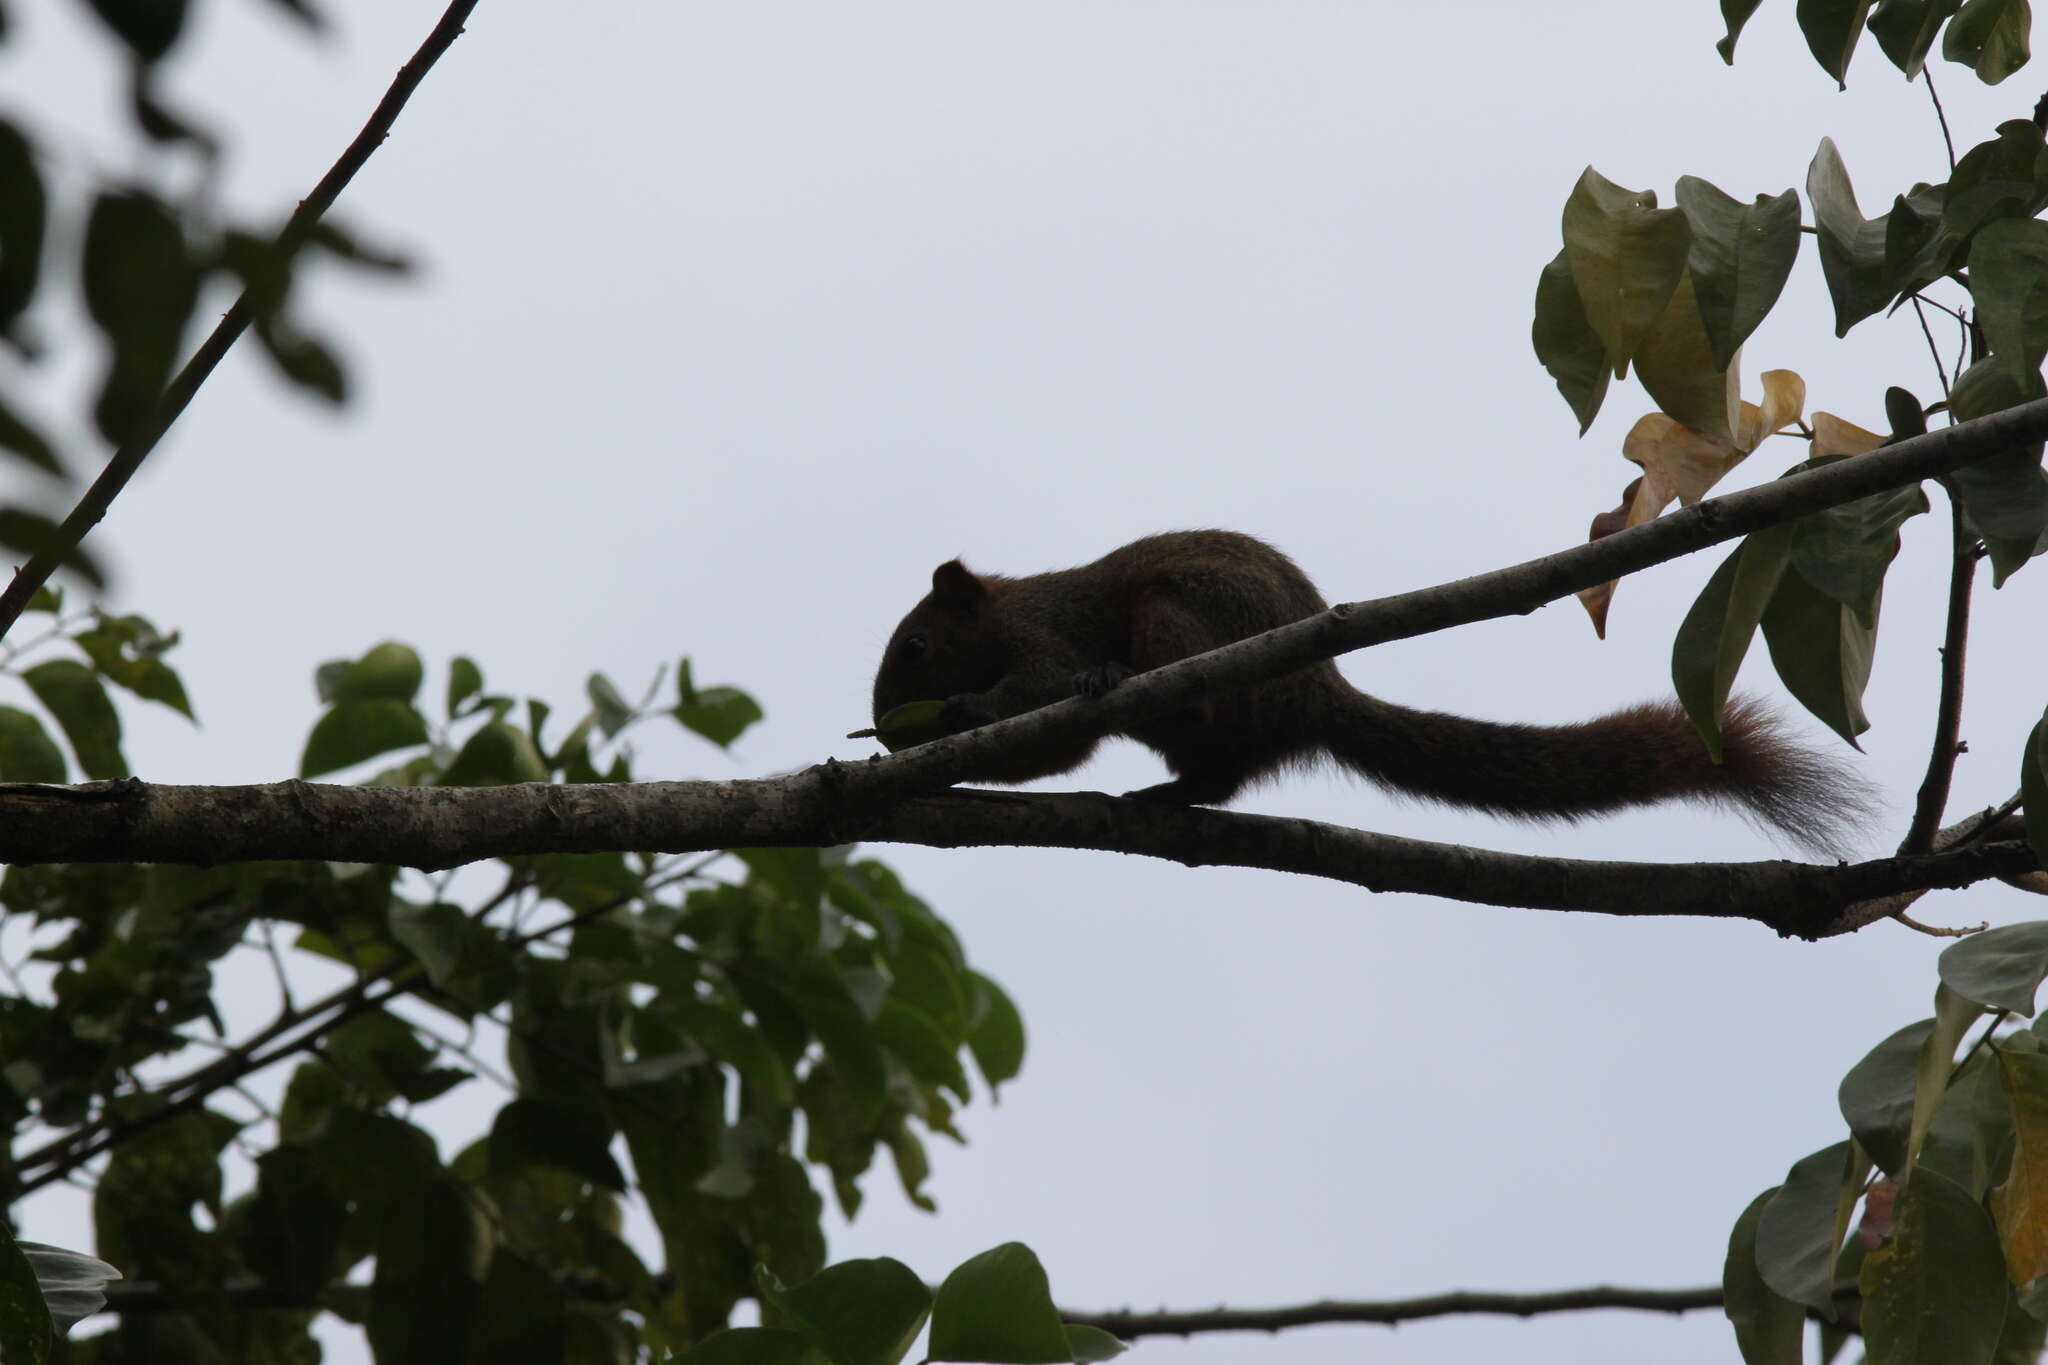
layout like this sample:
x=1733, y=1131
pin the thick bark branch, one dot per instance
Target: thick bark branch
x=436, y=827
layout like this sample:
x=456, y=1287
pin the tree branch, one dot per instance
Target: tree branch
x=1948, y=720
x=435, y=827
x=129, y=457
x=1128, y=1325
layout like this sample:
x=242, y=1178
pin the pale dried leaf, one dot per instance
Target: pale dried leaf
x=1833, y=436
x=1681, y=460
x=1784, y=401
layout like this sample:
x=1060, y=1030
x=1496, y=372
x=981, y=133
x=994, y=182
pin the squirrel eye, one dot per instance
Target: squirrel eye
x=913, y=649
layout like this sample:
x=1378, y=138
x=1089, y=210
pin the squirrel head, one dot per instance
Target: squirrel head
x=948, y=644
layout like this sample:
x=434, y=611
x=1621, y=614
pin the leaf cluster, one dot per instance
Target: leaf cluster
x=710, y=1045
x=1948, y=1160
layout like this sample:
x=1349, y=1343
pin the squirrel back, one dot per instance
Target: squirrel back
x=992, y=647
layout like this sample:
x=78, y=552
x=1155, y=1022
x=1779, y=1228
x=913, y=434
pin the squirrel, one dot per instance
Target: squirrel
x=990, y=647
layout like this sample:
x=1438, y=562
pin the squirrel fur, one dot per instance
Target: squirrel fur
x=990, y=647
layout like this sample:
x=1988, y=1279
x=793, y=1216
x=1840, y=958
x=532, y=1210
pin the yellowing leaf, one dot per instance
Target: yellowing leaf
x=2020, y=1205
x=1675, y=362
x=1833, y=436
x=1784, y=401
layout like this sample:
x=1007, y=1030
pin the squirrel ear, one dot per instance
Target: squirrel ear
x=957, y=585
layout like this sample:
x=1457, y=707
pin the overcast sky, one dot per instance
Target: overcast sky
x=733, y=319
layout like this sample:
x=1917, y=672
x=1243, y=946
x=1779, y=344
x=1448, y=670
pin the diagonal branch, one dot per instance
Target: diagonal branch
x=126, y=460
x=1518, y=589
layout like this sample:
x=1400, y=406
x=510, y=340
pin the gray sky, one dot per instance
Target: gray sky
x=736, y=318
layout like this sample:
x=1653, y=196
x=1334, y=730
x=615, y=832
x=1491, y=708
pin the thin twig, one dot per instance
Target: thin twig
x=1128, y=1324
x=1948, y=719
x=1927, y=76
x=1940, y=931
x=284, y=984
x=129, y=457
x=1940, y=371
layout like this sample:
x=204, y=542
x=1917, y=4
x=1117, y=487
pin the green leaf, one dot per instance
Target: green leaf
x=611, y=709
x=465, y=680
x=1844, y=551
x=73, y=694
x=2005, y=497
x=1990, y=37
x=354, y=730
x=522, y=1317
x=1092, y=1343
x=1675, y=363
x=921, y=1046
x=2000, y=968
x=389, y=670
x=31, y=533
x=127, y=652
x=26, y=1331
x=1740, y=257
x=1852, y=247
x=434, y=934
x=1735, y=13
x=27, y=753
x=140, y=286
x=306, y=361
x=1822, y=651
x=1953, y=1014
x=24, y=204
x=292, y=1235
x=430, y=1267
x=1919, y=247
x=1877, y=1095
x=865, y=1312
x=382, y=1059
x=2003, y=177
x=1711, y=642
x=1769, y=1328
x=331, y=237
x=1905, y=29
x=149, y=27
x=1937, y=1291
x=914, y=722
x=1831, y=28
x=530, y=1132
x=1796, y=1229
x=72, y=1284
x=720, y=714
x=1970, y=1140
x=997, y=1308
x=496, y=755
x=2009, y=281
x=754, y=1346
x=997, y=1036
x=1626, y=255
x=2034, y=789
x=24, y=440
x=1566, y=343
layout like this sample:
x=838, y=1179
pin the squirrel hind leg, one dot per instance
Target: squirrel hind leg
x=1209, y=789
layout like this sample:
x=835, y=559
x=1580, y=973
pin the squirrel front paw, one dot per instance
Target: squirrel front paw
x=1094, y=682
x=966, y=712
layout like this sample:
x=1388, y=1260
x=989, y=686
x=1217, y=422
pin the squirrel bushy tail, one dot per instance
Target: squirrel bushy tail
x=1638, y=756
